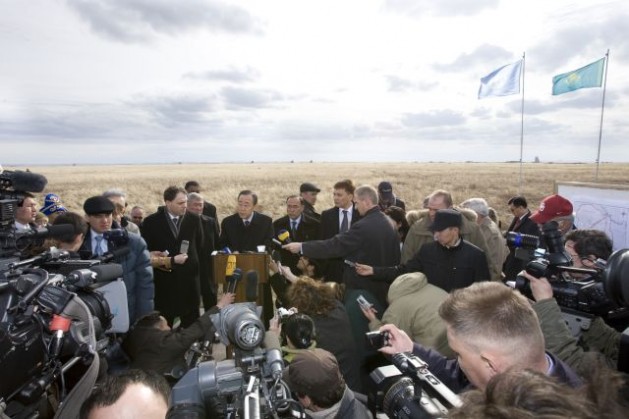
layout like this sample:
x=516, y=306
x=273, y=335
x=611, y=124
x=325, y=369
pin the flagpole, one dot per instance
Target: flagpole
x=522, y=123
x=600, y=131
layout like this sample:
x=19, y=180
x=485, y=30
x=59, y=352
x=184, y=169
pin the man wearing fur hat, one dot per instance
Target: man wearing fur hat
x=449, y=262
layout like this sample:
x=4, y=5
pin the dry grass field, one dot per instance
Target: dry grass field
x=496, y=182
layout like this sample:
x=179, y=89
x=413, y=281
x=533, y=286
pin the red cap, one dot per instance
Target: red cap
x=552, y=206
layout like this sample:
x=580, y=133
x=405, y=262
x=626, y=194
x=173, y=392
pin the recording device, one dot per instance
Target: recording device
x=249, y=385
x=350, y=263
x=605, y=292
x=284, y=237
x=284, y=313
x=363, y=303
x=183, y=249
x=407, y=389
x=53, y=314
x=377, y=339
x=233, y=280
x=251, y=286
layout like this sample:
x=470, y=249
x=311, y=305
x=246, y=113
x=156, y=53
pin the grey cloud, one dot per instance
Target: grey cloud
x=398, y=84
x=238, y=98
x=170, y=111
x=232, y=74
x=591, y=41
x=433, y=119
x=560, y=103
x=140, y=20
x=441, y=7
x=483, y=56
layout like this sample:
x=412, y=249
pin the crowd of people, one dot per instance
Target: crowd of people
x=434, y=281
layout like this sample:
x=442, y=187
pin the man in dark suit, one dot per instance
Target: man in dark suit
x=168, y=232
x=522, y=224
x=208, y=208
x=336, y=220
x=247, y=229
x=210, y=242
x=300, y=227
x=308, y=192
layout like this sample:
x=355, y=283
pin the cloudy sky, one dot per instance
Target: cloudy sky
x=138, y=81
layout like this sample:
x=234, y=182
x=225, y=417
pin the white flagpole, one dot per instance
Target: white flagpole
x=522, y=123
x=600, y=131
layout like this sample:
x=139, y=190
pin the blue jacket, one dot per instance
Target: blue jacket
x=138, y=278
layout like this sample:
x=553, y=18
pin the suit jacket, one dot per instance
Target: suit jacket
x=372, y=240
x=206, y=277
x=513, y=265
x=330, y=224
x=239, y=238
x=309, y=210
x=177, y=291
x=137, y=274
x=209, y=210
x=308, y=229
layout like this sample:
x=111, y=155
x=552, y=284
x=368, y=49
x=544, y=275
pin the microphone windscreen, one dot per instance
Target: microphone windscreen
x=284, y=236
x=27, y=181
x=107, y=272
x=55, y=231
x=251, y=290
x=231, y=265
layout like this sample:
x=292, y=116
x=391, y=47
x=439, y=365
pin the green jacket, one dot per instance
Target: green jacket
x=413, y=307
x=599, y=337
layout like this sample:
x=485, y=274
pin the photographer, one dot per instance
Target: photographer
x=296, y=332
x=492, y=328
x=585, y=247
x=315, y=378
x=71, y=241
x=153, y=345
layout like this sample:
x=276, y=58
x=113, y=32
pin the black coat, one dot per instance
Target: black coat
x=239, y=238
x=514, y=265
x=177, y=292
x=308, y=229
x=372, y=240
x=446, y=268
x=330, y=224
x=206, y=278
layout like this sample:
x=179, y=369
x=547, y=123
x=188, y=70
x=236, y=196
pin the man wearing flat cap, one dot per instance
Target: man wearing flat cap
x=449, y=262
x=137, y=272
x=315, y=379
x=308, y=193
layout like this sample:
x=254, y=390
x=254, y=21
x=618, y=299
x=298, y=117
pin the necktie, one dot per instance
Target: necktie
x=517, y=224
x=344, y=223
x=98, y=249
x=246, y=223
x=293, y=226
x=176, y=223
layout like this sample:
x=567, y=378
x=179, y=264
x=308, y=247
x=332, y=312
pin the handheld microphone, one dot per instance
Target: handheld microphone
x=23, y=181
x=251, y=290
x=284, y=237
x=233, y=281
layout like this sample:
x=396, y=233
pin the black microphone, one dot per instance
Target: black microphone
x=82, y=278
x=42, y=233
x=233, y=281
x=115, y=253
x=23, y=181
x=284, y=237
x=251, y=290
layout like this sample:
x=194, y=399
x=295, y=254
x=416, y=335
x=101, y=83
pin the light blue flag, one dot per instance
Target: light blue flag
x=501, y=82
x=589, y=76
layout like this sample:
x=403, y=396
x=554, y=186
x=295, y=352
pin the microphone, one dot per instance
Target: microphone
x=82, y=278
x=284, y=237
x=115, y=253
x=55, y=231
x=22, y=181
x=233, y=280
x=251, y=290
x=273, y=354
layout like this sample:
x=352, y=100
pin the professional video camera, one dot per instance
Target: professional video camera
x=602, y=290
x=249, y=385
x=407, y=389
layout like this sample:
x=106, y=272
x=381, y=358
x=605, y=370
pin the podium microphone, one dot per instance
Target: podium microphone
x=284, y=237
x=251, y=290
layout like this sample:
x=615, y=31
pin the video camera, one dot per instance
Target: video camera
x=602, y=292
x=249, y=385
x=52, y=320
x=407, y=389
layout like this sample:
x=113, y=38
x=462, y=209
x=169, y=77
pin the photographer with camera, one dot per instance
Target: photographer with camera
x=315, y=378
x=492, y=328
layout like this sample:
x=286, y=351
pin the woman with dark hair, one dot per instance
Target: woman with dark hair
x=334, y=334
x=398, y=216
x=297, y=333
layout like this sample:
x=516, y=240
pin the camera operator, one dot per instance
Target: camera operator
x=153, y=345
x=71, y=241
x=296, y=332
x=315, y=378
x=492, y=328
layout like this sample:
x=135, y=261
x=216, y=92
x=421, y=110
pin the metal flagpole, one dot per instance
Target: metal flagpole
x=522, y=124
x=600, y=131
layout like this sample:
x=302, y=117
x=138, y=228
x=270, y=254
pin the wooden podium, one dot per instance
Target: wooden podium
x=258, y=262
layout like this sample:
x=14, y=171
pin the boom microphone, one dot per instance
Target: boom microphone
x=251, y=290
x=284, y=237
x=54, y=231
x=82, y=278
x=22, y=181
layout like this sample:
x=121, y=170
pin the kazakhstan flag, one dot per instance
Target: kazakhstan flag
x=589, y=76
